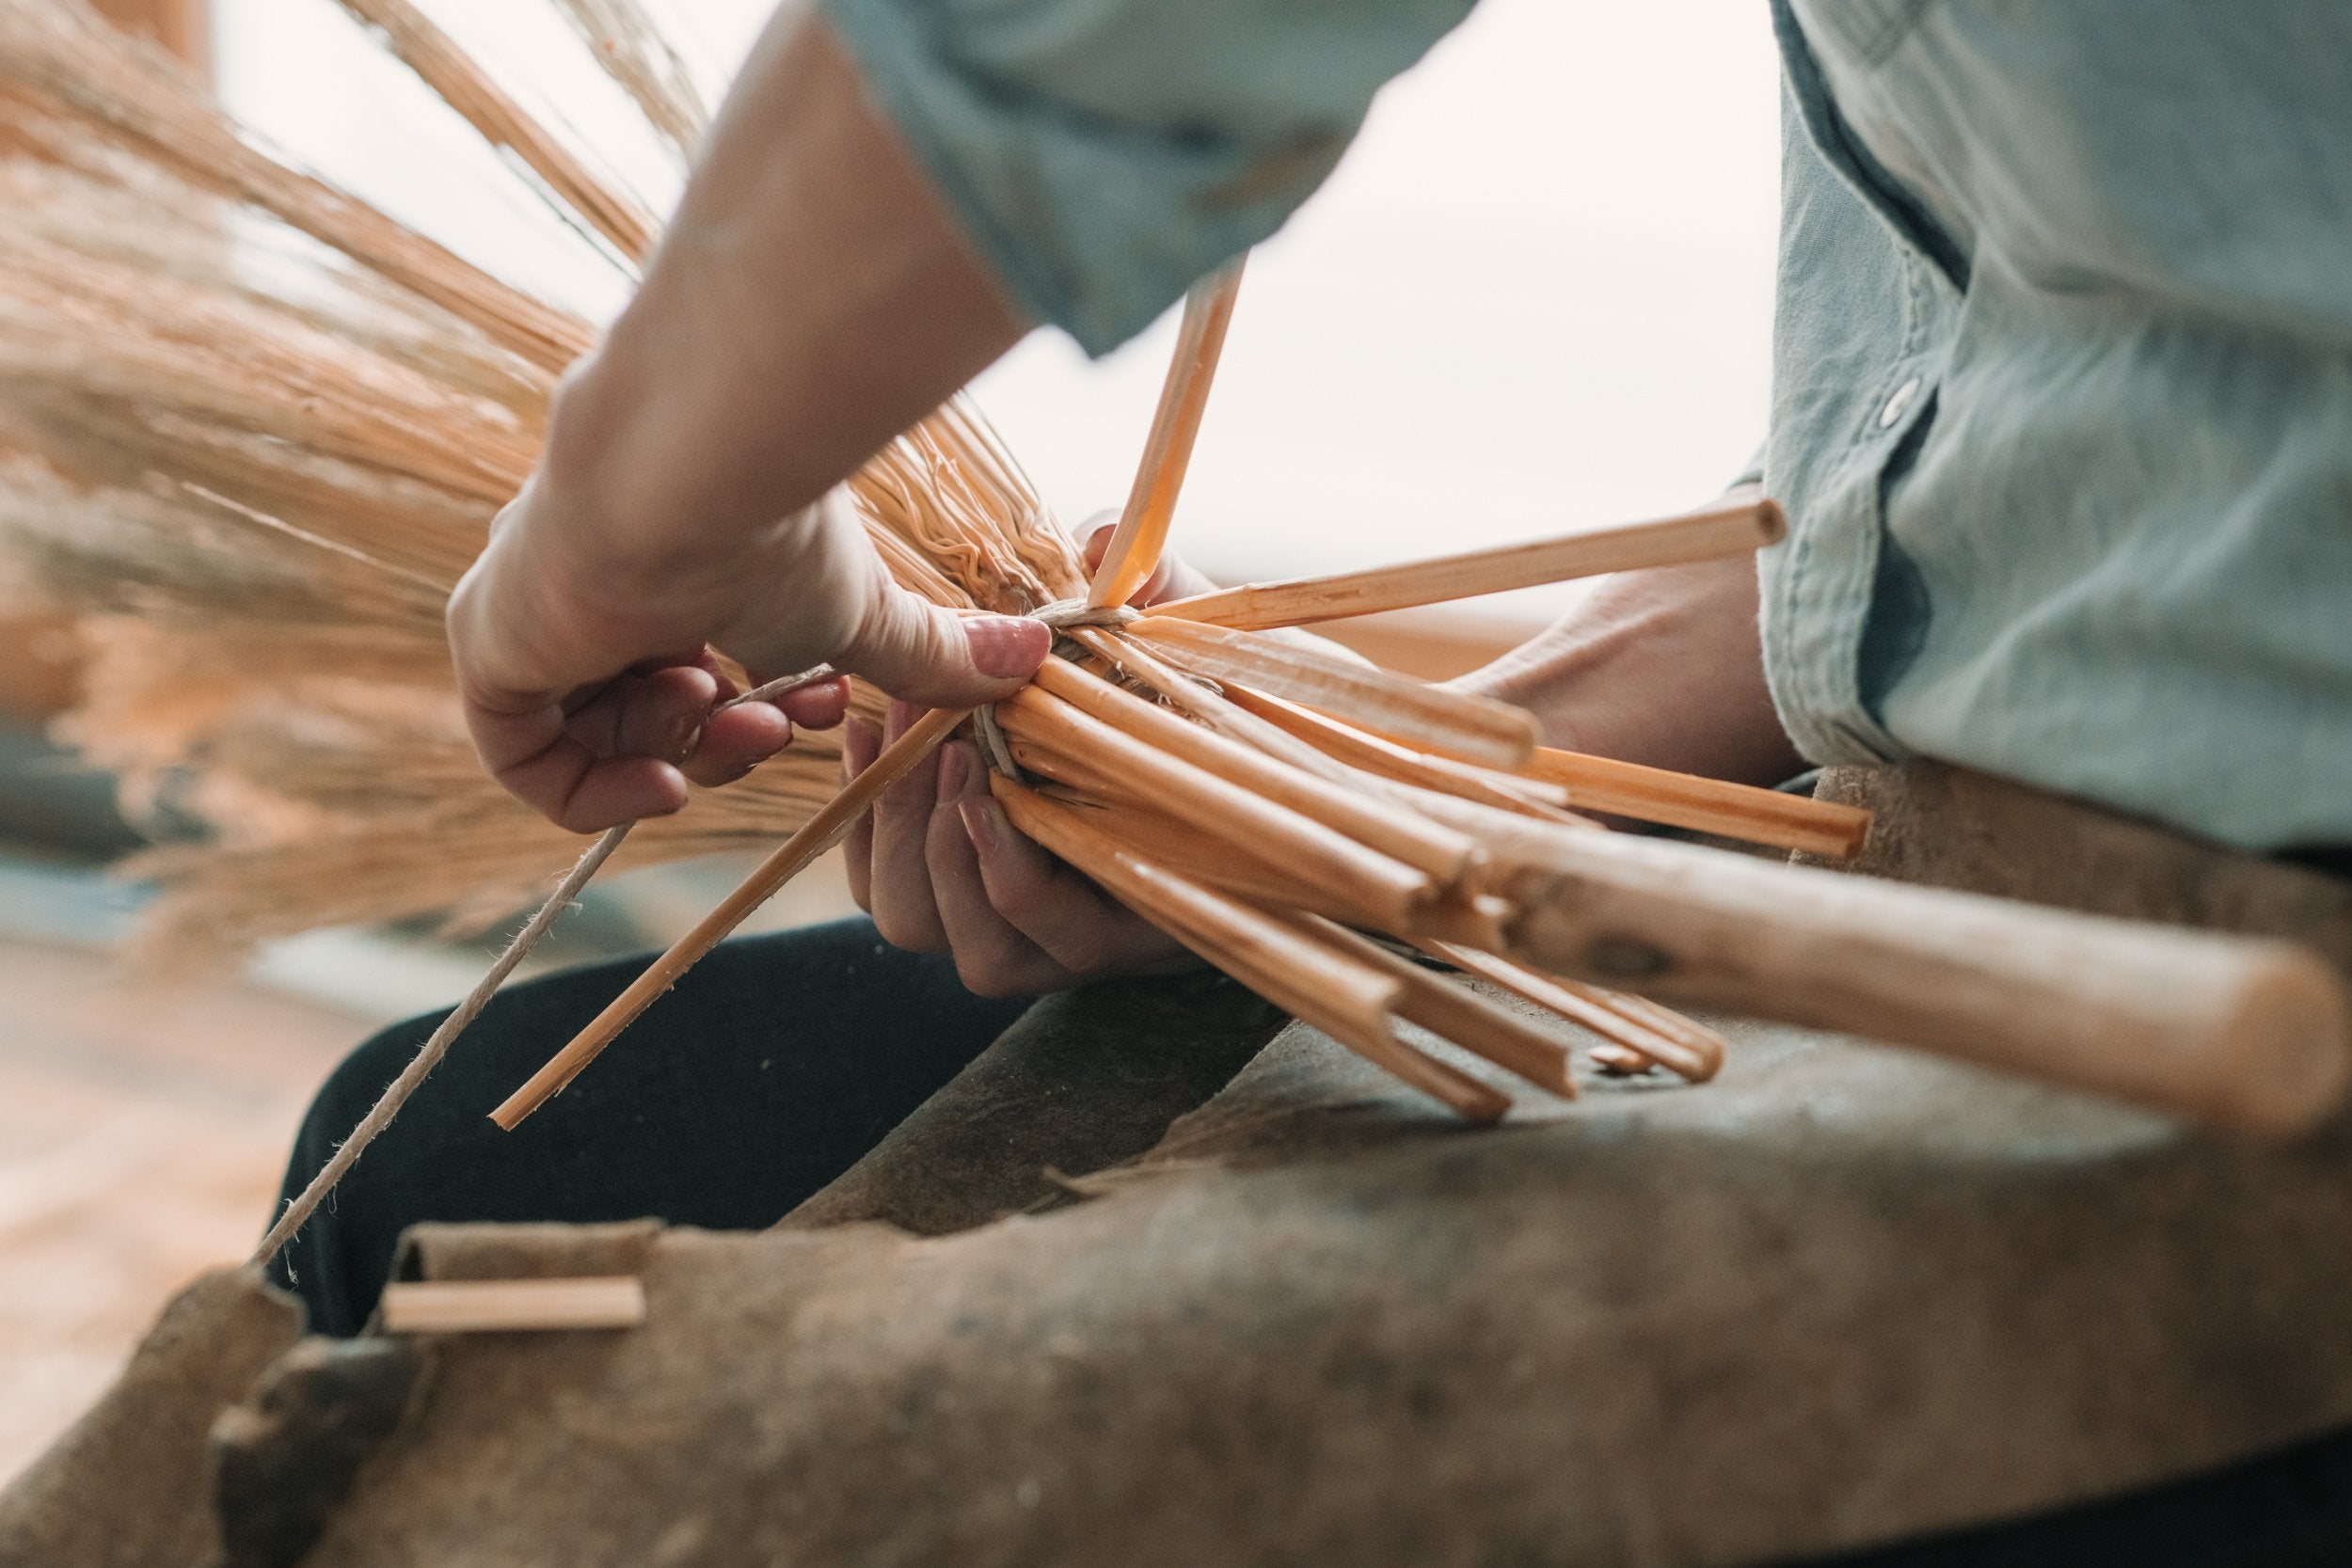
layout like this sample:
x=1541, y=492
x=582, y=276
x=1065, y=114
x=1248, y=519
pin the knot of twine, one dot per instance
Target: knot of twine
x=1064, y=614
x=1060, y=616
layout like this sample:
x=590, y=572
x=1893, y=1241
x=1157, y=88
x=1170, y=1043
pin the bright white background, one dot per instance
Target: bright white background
x=1534, y=297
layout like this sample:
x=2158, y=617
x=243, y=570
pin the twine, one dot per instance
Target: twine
x=429, y=1054
x=1060, y=616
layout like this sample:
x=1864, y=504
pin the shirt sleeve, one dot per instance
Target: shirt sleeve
x=1104, y=153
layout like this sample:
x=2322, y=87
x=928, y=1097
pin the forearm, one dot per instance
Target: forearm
x=812, y=300
x=1661, y=667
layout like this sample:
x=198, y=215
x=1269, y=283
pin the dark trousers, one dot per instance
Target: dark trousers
x=776, y=1063
x=780, y=1060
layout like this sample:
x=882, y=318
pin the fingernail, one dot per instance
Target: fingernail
x=1005, y=647
x=954, y=769
x=979, y=823
x=895, y=721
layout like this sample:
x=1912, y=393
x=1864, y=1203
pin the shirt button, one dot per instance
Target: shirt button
x=1895, y=405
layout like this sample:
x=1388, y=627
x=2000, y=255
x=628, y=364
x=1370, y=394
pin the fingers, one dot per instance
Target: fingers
x=736, y=740
x=610, y=759
x=860, y=745
x=554, y=773
x=650, y=712
x=899, y=887
x=1170, y=580
x=817, y=707
x=993, y=956
x=1081, y=929
x=943, y=870
x=929, y=655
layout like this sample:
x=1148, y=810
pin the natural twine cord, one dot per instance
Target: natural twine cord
x=428, y=1057
x=1061, y=615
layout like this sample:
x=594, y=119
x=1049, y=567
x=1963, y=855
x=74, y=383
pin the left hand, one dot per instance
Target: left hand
x=941, y=869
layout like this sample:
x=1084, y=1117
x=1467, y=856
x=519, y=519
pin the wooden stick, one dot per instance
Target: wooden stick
x=1706, y=805
x=1667, y=540
x=1051, y=737
x=513, y=1305
x=1136, y=544
x=1451, y=723
x=1687, y=1050
x=1442, y=854
x=1384, y=758
x=1345, y=998
x=830, y=824
x=1456, y=1013
x=1478, y=920
x=2235, y=1031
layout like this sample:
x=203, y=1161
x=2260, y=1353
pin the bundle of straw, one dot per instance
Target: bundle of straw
x=265, y=428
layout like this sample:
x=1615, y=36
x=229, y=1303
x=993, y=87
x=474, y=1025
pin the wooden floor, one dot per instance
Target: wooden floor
x=142, y=1131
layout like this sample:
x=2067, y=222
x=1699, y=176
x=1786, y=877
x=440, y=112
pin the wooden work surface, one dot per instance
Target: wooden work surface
x=141, y=1136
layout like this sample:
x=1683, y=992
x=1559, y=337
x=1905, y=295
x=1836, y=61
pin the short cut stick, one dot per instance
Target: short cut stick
x=1454, y=723
x=513, y=1305
x=1455, y=1012
x=1440, y=851
x=819, y=834
x=1656, y=1034
x=1720, y=531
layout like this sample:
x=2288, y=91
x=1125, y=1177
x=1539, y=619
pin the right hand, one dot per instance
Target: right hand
x=587, y=674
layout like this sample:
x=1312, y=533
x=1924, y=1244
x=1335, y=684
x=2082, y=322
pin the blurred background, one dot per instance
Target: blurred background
x=1534, y=297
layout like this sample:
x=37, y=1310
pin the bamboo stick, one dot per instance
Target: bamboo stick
x=1116, y=659
x=1378, y=755
x=2235, y=1031
x=1136, y=544
x=1053, y=738
x=1454, y=1013
x=1662, y=542
x=1345, y=998
x=1227, y=866
x=1684, y=1049
x=1706, y=805
x=1441, y=852
x=513, y=1305
x=821, y=833
x=1478, y=920
x=1451, y=723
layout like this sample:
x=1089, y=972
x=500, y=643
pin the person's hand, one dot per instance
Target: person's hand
x=589, y=685
x=812, y=298
x=941, y=869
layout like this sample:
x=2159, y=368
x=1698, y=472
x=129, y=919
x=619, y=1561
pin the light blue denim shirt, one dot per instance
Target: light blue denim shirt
x=2062, y=390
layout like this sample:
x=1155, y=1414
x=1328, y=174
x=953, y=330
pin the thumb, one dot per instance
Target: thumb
x=922, y=652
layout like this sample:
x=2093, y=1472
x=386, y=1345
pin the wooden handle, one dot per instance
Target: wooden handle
x=2231, y=1030
x=1664, y=542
